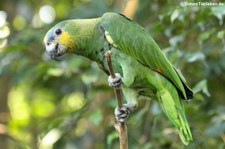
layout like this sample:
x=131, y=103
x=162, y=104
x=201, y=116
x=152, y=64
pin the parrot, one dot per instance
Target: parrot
x=140, y=65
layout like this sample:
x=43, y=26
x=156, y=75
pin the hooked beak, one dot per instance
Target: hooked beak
x=53, y=47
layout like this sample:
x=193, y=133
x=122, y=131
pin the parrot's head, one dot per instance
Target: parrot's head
x=58, y=40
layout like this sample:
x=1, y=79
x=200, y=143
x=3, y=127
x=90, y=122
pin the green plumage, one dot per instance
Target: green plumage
x=136, y=56
x=133, y=40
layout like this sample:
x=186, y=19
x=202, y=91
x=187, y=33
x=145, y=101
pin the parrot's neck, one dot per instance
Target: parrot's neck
x=90, y=43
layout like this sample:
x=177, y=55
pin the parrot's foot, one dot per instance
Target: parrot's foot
x=115, y=82
x=123, y=113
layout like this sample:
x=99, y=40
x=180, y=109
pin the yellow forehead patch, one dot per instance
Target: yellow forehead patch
x=67, y=40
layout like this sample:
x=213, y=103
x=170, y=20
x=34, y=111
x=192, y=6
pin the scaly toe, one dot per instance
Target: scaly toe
x=115, y=82
x=121, y=114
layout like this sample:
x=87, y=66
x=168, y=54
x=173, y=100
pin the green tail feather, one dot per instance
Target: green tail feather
x=173, y=108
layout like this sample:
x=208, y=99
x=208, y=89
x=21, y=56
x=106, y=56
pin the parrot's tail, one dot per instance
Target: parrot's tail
x=174, y=110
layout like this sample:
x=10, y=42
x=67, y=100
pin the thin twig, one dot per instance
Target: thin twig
x=120, y=127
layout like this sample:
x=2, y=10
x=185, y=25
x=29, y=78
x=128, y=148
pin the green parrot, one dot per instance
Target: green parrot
x=142, y=69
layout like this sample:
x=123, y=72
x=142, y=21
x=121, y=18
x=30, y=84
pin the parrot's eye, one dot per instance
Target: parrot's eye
x=58, y=31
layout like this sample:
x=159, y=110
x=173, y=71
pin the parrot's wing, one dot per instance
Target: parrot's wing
x=173, y=108
x=131, y=39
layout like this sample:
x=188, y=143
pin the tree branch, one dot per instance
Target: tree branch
x=130, y=9
x=120, y=127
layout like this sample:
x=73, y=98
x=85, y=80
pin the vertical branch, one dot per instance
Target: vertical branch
x=120, y=127
x=130, y=8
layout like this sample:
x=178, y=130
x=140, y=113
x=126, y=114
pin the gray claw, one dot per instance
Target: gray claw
x=121, y=114
x=115, y=82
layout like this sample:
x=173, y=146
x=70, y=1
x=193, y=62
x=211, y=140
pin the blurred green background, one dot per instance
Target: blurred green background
x=46, y=104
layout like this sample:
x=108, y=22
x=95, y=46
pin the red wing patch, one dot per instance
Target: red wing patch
x=159, y=70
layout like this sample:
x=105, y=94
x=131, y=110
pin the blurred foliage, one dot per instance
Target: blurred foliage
x=46, y=104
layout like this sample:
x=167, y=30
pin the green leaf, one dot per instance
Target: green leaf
x=203, y=36
x=174, y=15
x=202, y=86
x=221, y=34
x=112, y=136
x=176, y=39
x=55, y=72
x=219, y=12
x=195, y=57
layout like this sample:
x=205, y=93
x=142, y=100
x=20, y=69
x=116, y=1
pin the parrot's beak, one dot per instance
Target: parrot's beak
x=53, y=47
